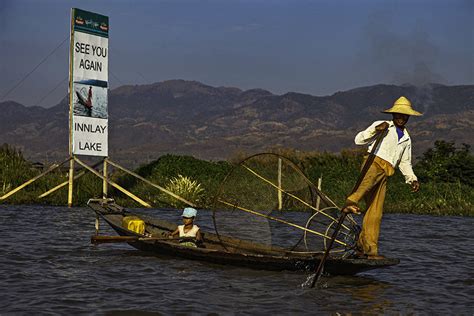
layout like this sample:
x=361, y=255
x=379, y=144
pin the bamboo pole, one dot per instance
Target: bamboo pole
x=293, y=196
x=115, y=185
x=318, y=198
x=323, y=196
x=104, y=183
x=71, y=181
x=151, y=183
x=280, y=221
x=71, y=92
x=280, y=200
x=59, y=186
x=95, y=239
x=362, y=174
x=51, y=168
x=97, y=223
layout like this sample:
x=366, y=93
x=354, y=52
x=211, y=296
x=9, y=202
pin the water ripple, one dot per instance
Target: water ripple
x=48, y=265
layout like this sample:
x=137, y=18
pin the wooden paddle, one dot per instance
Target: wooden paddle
x=367, y=164
x=118, y=239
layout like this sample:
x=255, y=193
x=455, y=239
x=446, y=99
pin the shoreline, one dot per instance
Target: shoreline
x=338, y=172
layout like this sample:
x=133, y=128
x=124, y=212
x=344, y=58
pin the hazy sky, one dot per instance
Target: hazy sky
x=315, y=47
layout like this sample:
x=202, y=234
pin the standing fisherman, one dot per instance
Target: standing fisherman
x=394, y=150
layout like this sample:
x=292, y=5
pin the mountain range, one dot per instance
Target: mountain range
x=189, y=117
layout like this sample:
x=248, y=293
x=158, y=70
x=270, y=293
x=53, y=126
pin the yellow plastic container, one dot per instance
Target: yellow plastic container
x=134, y=224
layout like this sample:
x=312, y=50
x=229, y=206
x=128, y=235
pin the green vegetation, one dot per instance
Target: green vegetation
x=446, y=163
x=446, y=174
x=184, y=187
x=15, y=170
x=206, y=173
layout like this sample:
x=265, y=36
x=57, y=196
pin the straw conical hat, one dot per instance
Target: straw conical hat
x=403, y=106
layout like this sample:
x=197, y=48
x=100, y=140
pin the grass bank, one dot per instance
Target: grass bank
x=445, y=171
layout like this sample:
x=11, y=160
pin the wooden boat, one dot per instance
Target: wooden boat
x=221, y=249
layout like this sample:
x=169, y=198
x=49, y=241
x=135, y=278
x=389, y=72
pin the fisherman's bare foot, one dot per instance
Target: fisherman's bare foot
x=354, y=209
x=376, y=257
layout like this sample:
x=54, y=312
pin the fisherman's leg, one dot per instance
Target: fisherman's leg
x=368, y=239
x=368, y=182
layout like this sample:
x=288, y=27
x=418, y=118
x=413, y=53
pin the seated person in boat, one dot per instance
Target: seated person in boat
x=189, y=232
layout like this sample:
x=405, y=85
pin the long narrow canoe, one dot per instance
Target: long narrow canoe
x=222, y=250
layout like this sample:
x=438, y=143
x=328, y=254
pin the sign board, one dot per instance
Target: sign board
x=88, y=84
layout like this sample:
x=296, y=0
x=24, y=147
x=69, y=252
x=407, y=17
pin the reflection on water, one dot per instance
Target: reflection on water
x=48, y=265
x=367, y=291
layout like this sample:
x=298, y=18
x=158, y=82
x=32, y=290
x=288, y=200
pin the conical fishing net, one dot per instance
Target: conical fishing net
x=267, y=204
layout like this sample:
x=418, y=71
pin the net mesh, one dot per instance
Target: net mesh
x=267, y=203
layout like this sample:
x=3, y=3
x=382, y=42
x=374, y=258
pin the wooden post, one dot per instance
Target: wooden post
x=59, y=186
x=97, y=224
x=71, y=180
x=116, y=165
x=115, y=185
x=71, y=154
x=280, y=200
x=318, y=199
x=51, y=168
x=104, y=182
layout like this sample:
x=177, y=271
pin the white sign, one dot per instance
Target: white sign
x=89, y=83
x=90, y=136
x=90, y=57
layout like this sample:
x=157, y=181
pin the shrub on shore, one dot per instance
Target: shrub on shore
x=446, y=175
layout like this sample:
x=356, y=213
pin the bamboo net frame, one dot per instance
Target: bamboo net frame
x=292, y=195
x=280, y=221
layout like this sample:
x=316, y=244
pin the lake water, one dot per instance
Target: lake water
x=48, y=265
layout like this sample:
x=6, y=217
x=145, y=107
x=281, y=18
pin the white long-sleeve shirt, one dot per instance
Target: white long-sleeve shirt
x=396, y=152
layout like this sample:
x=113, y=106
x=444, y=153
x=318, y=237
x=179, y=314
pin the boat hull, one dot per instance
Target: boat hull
x=214, y=253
